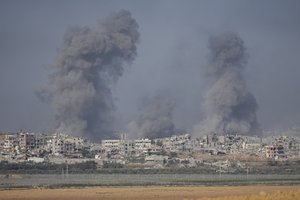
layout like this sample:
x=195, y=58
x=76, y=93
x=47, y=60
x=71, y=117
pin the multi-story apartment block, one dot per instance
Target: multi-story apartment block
x=64, y=144
x=111, y=144
x=11, y=141
x=275, y=152
x=127, y=147
x=30, y=141
x=142, y=144
x=2, y=138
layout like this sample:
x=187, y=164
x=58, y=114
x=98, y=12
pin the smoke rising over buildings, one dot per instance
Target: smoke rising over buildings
x=154, y=119
x=89, y=61
x=171, y=56
x=229, y=106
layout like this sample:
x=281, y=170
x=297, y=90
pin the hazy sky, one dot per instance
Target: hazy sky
x=172, y=54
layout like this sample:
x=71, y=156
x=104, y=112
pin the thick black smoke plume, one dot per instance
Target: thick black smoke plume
x=230, y=107
x=89, y=60
x=154, y=119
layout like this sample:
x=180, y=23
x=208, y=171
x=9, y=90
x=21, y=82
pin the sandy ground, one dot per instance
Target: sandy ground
x=143, y=193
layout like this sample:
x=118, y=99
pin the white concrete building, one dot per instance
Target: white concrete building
x=111, y=144
x=142, y=144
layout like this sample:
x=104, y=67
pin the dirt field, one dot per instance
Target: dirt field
x=151, y=193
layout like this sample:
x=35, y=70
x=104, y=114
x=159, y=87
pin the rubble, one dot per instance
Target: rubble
x=225, y=153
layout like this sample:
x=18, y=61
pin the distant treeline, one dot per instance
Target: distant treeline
x=44, y=168
x=271, y=167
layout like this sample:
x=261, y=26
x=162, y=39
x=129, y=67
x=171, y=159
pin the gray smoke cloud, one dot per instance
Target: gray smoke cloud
x=154, y=118
x=90, y=60
x=229, y=106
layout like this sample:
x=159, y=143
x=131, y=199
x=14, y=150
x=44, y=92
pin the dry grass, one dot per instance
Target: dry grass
x=151, y=193
x=286, y=195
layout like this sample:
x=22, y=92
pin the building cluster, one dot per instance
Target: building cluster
x=175, y=151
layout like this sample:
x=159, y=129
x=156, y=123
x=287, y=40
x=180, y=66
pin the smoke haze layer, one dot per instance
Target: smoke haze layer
x=154, y=119
x=89, y=61
x=229, y=106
